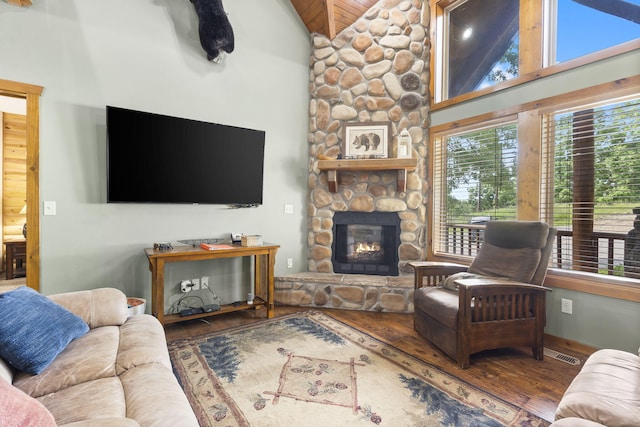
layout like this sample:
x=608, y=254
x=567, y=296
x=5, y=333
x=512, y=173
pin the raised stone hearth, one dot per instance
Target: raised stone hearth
x=346, y=291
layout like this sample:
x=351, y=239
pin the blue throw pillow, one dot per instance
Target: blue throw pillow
x=34, y=329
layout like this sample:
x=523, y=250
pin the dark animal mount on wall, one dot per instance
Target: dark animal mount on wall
x=216, y=34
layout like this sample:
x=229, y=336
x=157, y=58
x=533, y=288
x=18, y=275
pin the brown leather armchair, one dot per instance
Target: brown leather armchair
x=498, y=301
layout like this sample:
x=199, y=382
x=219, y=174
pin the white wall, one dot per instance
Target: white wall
x=145, y=55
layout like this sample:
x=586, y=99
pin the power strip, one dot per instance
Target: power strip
x=210, y=307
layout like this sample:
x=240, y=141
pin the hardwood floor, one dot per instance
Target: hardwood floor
x=511, y=374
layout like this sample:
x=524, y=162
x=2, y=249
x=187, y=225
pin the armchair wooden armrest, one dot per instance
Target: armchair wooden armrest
x=497, y=282
x=434, y=271
x=500, y=312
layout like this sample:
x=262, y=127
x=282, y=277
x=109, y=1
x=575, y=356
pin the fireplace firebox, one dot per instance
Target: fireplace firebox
x=366, y=243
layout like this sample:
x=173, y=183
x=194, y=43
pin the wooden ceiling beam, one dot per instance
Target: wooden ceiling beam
x=330, y=17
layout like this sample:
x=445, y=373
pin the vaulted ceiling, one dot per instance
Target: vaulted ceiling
x=329, y=17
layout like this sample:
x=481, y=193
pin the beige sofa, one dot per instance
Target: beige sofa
x=606, y=392
x=117, y=374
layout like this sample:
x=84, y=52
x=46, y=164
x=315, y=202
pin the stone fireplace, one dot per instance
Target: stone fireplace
x=376, y=70
x=366, y=243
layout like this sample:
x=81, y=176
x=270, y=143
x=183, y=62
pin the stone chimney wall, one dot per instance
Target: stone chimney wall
x=377, y=70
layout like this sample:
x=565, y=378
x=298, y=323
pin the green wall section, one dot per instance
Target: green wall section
x=596, y=321
x=146, y=55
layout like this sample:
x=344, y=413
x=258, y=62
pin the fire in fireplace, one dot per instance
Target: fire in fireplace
x=366, y=243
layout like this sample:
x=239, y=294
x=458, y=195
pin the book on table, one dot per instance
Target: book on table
x=215, y=246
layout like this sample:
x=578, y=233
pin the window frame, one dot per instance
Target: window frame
x=440, y=196
x=529, y=186
x=534, y=50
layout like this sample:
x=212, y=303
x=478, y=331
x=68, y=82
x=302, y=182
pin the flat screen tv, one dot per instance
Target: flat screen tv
x=153, y=158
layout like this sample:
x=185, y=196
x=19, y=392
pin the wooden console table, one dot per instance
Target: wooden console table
x=16, y=252
x=264, y=264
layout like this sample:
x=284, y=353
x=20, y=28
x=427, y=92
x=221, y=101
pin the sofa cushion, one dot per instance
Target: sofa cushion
x=102, y=398
x=155, y=398
x=19, y=409
x=605, y=391
x=142, y=341
x=34, y=329
x=575, y=422
x=90, y=357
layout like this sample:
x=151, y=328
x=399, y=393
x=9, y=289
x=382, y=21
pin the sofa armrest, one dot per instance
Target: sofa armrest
x=104, y=422
x=97, y=307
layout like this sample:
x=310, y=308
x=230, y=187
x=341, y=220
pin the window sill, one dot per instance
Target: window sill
x=606, y=286
x=602, y=285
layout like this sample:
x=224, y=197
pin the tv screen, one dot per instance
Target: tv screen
x=152, y=158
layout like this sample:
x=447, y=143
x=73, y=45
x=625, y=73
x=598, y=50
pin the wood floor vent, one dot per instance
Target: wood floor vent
x=561, y=356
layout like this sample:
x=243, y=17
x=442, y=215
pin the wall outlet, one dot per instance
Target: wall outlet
x=185, y=286
x=196, y=284
x=204, y=282
x=288, y=209
x=289, y=262
x=567, y=306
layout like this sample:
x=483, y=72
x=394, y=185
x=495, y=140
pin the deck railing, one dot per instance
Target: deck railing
x=466, y=239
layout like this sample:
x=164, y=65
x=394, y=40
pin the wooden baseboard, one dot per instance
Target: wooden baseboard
x=569, y=344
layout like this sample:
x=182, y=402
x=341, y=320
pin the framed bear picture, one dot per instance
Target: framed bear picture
x=366, y=140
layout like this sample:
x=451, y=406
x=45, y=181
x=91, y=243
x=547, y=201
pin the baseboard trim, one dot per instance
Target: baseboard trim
x=569, y=344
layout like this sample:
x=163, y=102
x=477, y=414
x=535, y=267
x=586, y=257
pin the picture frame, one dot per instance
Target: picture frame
x=366, y=140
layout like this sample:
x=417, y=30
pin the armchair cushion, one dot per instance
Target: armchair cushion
x=515, y=264
x=517, y=234
x=34, y=329
x=450, y=281
x=439, y=303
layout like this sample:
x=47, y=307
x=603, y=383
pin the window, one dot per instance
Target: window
x=481, y=46
x=570, y=160
x=591, y=185
x=572, y=26
x=476, y=174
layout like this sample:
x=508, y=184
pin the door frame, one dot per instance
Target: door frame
x=32, y=95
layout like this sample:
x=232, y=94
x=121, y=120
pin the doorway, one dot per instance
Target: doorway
x=31, y=94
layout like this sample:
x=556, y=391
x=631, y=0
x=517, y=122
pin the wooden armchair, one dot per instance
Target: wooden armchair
x=498, y=301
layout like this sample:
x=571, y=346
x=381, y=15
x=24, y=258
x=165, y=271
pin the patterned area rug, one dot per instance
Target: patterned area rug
x=308, y=369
